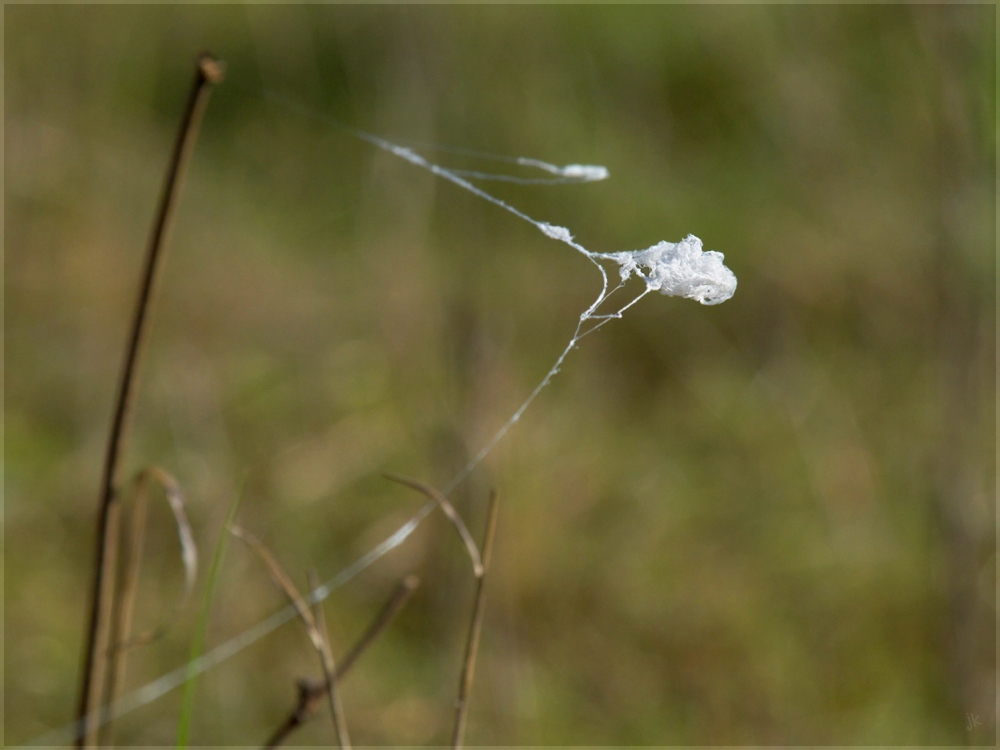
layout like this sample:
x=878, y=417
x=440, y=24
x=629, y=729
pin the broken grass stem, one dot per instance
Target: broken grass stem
x=311, y=693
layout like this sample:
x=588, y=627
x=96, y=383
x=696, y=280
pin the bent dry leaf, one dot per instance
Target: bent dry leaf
x=315, y=627
x=133, y=547
x=136, y=504
x=449, y=510
x=284, y=582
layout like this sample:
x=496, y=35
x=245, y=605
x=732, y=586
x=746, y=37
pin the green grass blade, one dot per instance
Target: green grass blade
x=201, y=630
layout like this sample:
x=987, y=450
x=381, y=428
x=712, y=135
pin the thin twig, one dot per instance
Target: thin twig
x=312, y=692
x=209, y=72
x=449, y=510
x=329, y=668
x=121, y=630
x=472, y=645
x=400, y=595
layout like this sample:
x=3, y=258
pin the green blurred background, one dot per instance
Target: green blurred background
x=769, y=522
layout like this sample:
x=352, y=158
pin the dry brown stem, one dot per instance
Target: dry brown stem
x=475, y=626
x=312, y=693
x=329, y=668
x=92, y=690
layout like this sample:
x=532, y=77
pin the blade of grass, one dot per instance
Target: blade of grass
x=201, y=628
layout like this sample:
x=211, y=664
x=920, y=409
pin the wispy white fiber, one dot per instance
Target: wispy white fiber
x=679, y=269
x=584, y=172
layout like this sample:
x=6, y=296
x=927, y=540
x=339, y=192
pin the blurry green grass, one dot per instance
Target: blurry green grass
x=767, y=522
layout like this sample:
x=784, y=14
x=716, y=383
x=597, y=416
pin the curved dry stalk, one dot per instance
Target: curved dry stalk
x=131, y=560
x=209, y=72
x=282, y=579
x=472, y=644
x=315, y=626
x=449, y=510
x=132, y=544
x=311, y=692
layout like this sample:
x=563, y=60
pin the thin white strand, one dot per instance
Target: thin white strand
x=172, y=680
x=588, y=172
x=612, y=316
x=514, y=418
x=498, y=177
x=159, y=687
x=570, y=173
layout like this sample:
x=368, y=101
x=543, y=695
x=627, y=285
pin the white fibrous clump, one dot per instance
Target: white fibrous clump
x=556, y=233
x=587, y=172
x=680, y=269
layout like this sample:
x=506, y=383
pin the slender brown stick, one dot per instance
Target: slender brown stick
x=133, y=538
x=209, y=72
x=121, y=628
x=329, y=668
x=472, y=645
x=312, y=692
x=400, y=595
x=449, y=510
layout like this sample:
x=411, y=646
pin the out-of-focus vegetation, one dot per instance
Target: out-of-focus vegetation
x=766, y=522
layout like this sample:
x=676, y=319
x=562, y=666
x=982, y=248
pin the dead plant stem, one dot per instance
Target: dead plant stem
x=209, y=72
x=329, y=668
x=472, y=645
x=121, y=627
x=311, y=692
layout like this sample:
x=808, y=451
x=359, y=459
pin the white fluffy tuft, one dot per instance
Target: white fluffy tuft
x=680, y=269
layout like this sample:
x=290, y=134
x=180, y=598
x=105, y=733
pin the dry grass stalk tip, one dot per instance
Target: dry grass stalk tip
x=449, y=510
x=317, y=634
x=208, y=72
